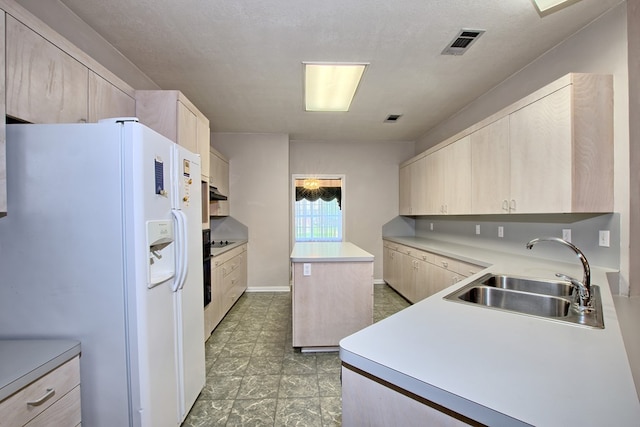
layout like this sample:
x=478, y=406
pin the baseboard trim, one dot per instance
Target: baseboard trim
x=268, y=289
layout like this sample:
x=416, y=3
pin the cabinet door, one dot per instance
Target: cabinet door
x=203, y=139
x=421, y=281
x=434, y=198
x=405, y=190
x=490, y=168
x=187, y=128
x=106, y=100
x=540, y=138
x=44, y=84
x=456, y=177
x=419, y=186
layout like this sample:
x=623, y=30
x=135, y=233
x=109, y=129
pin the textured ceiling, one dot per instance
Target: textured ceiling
x=240, y=61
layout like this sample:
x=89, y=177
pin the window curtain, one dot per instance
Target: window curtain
x=325, y=193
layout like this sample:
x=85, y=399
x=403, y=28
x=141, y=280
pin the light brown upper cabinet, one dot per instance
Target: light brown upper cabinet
x=491, y=168
x=44, y=84
x=447, y=176
x=561, y=149
x=413, y=191
x=550, y=152
x=106, y=100
x=171, y=114
x=203, y=136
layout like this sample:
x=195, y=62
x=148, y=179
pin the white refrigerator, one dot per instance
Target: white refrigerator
x=102, y=244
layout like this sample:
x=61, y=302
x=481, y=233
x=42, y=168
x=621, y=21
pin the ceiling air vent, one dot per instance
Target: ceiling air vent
x=462, y=42
x=392, y=118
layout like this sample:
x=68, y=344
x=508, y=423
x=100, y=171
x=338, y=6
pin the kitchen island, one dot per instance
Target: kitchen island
x=462, y=364
x=332, y=293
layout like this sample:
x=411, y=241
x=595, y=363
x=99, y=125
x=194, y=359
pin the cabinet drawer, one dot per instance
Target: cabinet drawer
x=16, y=410
x=445, y=262
x=65, y=412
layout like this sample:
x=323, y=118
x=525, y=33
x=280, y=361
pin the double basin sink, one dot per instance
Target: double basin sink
x=549, y=299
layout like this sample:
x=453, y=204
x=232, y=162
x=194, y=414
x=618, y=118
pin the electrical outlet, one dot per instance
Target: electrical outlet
x=477, y=228
x=566, y=234
x=500, y=231
x=306, y=269
x=603, y=238
x=431, y=226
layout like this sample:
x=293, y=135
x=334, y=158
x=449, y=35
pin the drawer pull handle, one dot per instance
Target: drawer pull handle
x=49, y=393
x=445, y=264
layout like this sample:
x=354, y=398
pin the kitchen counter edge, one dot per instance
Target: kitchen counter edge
x=417, y=368
x=24, y=361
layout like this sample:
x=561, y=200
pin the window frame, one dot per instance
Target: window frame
x=343, y=203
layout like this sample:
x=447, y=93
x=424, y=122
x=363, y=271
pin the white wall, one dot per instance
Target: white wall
x=371, y=184
x=600, y=47
x=259, y=198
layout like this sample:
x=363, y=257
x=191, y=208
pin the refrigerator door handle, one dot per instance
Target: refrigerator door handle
x=181, y=249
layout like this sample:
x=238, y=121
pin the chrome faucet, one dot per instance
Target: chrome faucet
x=584, y=287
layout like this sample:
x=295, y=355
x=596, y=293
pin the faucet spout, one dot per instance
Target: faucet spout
x=584, y=287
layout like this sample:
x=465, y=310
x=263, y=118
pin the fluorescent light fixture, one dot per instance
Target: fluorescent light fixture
x=331, y=87
x=546, y=7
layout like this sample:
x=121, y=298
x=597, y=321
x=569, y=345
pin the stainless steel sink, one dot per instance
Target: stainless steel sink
x=549, y=299
x=524, y=284
x=522, y=302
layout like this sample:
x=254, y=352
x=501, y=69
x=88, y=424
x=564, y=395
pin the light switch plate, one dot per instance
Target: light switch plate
x=500, y=231
x=477, y=228
x=306, y=269
x=566, y=234
x=603, y=238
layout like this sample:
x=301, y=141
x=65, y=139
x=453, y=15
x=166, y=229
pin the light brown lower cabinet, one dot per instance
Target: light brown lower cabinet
x=368, y=401
x=416, y=274
x=228, y=283
x=51, y=400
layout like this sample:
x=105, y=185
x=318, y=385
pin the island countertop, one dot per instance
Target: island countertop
x=501, y=368
x=329, y=252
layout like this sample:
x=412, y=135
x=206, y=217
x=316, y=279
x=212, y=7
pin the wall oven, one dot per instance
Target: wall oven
x=206, y=254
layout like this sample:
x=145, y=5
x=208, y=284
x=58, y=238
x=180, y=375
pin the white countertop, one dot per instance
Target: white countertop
x=219, y=250
x=329, y=252
x=24, y=361
x=502, y=368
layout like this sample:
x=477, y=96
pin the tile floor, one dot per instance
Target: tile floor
x=256, y=378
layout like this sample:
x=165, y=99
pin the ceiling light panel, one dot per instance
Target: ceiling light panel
x=331, y=87
x=546, y=7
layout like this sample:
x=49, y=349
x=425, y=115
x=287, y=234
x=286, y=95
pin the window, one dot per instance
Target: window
x=318, y=210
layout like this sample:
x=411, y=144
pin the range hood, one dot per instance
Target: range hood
x=214, y=194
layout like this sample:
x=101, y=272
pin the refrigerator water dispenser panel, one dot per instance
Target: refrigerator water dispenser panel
x=161, y=266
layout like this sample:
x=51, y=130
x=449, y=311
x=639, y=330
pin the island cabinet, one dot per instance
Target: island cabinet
x=332, y=293
x=40, y=383
x=228, y=283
